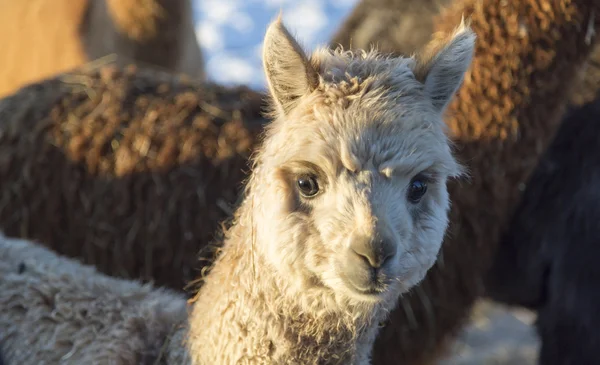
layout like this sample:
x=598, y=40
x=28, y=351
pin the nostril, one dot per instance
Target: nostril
x=386, y=257
x=374, y=253
x=373, y=259
x=369, y=259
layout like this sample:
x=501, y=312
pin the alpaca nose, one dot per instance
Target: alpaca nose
x=374, y=252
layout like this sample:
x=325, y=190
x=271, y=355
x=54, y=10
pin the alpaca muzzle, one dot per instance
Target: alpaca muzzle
x=367, y=258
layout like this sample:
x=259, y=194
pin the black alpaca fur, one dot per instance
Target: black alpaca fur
x=548, y=258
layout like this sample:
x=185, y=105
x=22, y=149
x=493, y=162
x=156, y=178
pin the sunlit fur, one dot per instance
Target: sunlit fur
x=365, y=126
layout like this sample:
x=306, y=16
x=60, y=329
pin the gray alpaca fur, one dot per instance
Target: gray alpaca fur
x=54, y=310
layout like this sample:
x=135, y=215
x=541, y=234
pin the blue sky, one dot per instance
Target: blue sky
x=231, y=31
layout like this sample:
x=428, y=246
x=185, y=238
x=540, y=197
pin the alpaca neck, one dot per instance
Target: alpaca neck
x=246, y=312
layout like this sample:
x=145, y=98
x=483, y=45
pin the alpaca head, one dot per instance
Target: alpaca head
x=350, y=184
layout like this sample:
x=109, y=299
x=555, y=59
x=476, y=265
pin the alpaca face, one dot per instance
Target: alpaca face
x=353, y=171
x=360, y=210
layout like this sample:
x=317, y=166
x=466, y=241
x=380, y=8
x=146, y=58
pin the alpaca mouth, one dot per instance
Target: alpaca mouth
x=372, y=291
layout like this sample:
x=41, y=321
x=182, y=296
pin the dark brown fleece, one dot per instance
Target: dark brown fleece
x=402, y=27
x=588, y=82
x=131, y=170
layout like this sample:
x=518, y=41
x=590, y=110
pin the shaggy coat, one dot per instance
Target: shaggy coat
x=54, y=310
x=527, y=56
x=129, y=170
x=547, y=259
x=289, y=284
x=402, y=27
x=46, y=37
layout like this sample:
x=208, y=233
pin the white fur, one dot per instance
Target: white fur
x=366, y=126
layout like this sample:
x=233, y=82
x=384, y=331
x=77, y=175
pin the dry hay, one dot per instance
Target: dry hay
x=130, y=170
x=41, y=38
x=503, y=118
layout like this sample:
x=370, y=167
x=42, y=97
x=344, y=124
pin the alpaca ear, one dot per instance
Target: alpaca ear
x=441, y=68
x=289, y=72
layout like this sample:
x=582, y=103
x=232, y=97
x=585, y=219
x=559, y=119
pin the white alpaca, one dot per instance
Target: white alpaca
x=345, y=210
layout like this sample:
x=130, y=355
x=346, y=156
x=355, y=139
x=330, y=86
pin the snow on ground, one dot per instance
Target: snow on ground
x=230, y=32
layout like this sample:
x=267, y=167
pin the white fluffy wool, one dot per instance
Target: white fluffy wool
x=54, y=310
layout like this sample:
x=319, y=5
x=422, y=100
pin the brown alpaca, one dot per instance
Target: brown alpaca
x=521, y=62
x=46, y=37
x=132, y=170
x=405, y=26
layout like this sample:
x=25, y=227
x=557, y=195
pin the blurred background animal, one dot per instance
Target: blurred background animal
x=547, y=259
x=41, y=38
x=392, y=26
x=132, y=170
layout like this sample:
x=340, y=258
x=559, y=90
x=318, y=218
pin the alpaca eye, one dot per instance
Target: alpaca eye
x=416, y=189
x=307, y=185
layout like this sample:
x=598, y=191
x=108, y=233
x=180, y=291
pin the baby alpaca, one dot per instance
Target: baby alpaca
x=345, y=210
